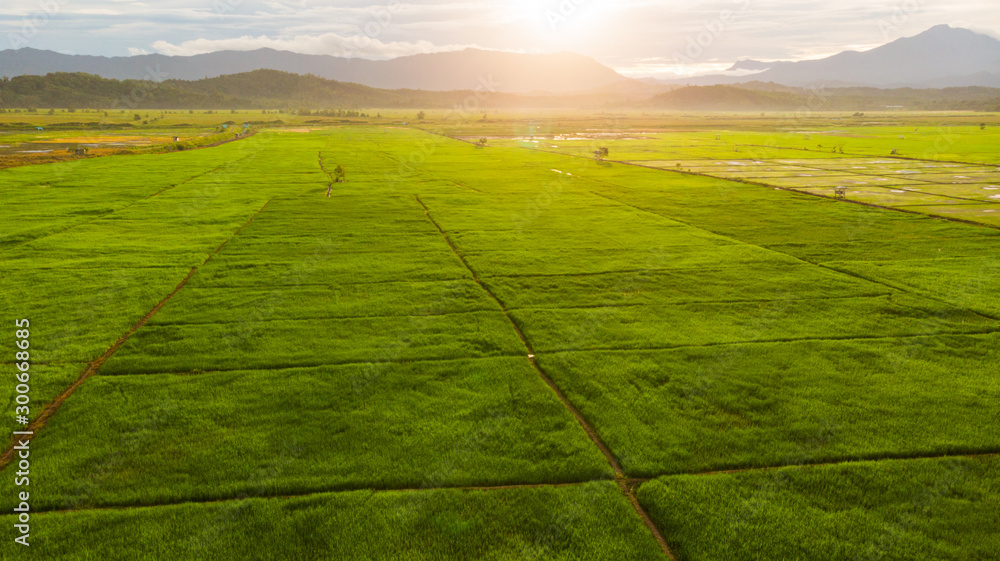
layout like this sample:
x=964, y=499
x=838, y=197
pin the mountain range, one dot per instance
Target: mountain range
x=275, y=90
x=940, y=57
x=459, y=70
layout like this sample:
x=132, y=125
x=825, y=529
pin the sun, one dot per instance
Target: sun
x=558, y=19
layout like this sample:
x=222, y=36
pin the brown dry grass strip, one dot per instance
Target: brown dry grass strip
x=20, y=160
x=587, y=427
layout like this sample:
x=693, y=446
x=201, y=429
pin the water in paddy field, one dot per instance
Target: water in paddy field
x=40, y=147
x=50, y=147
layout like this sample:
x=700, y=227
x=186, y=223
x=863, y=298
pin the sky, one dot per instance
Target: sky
x=660, y=38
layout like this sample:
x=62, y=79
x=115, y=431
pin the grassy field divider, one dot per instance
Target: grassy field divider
x=92, y=368
x=624, y=483
x=43, y=418
x=901, y=287
x=236, y=233
x=637, y=481
x=192, y=178
x=133, y=203
x=777, y=341
x=845, y=462
x=829, y=267
x=379, y=490
x=805, y=261
x=808, y=193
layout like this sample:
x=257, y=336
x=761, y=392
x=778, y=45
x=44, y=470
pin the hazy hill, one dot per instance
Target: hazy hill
x=261, y=89
x=461, y=70
x=940, y=57
x=942, y=54
x=725, y=98
x=266, y=89
x=271, y=89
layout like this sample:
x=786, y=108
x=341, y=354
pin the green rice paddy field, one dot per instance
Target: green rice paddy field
x=691, y=351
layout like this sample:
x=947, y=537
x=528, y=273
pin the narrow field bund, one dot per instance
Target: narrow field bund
x=633, y=483
x=591, y=432
x=49, y=410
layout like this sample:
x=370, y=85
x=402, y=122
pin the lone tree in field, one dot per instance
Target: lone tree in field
x=601, y=153
x=338, y=176
x=481, y=143
x=420, y=116
x=982, y=126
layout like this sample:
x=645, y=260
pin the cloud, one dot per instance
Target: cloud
x=361, y=46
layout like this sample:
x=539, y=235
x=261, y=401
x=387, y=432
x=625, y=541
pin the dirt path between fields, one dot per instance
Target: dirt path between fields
x=620, y=478
x=133, y=203
x=908, y=290
x=631, y=483
x=53, y=407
